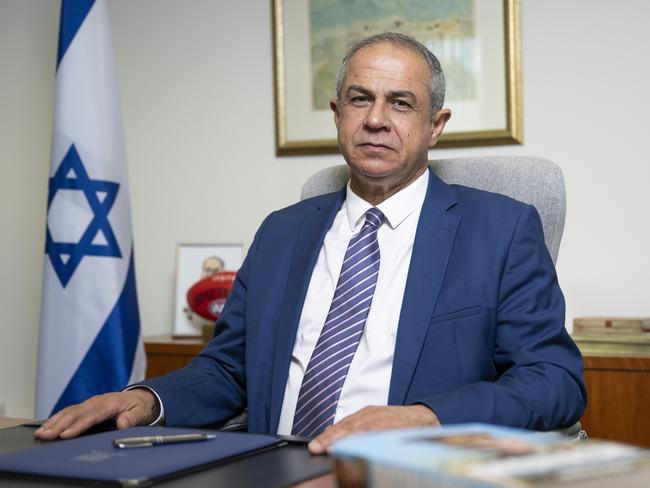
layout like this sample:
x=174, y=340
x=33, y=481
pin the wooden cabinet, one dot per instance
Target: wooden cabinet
x=619, y=398
x=166, y=353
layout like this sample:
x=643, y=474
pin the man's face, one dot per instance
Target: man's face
x=211, y=266
x=382, y=118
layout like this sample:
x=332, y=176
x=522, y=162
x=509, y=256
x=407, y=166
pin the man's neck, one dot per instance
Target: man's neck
x=375, y=191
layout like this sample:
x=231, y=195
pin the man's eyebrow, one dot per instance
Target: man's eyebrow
x=403, y=94
x=392, y=94
x=359, y=88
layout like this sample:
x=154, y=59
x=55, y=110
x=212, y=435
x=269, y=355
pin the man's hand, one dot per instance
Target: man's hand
x=374, y=418
x=129, y=408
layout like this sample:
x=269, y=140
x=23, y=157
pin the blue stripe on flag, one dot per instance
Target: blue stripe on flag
x=73, y=13
x=107, y=364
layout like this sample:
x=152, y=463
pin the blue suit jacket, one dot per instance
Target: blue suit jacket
x=481, y=333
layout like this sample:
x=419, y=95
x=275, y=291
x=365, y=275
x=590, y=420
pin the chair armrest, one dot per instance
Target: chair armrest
x=575, y=431
x=236, y=424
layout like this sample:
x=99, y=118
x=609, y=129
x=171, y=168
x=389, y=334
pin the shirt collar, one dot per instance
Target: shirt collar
x=396, y=208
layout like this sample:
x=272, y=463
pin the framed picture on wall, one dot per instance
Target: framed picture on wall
x=198, y=267
x=476, y=41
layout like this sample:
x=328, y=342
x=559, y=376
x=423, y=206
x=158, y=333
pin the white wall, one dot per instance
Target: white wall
x=197, y=97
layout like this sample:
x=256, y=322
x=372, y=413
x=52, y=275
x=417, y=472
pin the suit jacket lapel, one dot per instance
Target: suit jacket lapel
x=308, y=244
x=433, y=243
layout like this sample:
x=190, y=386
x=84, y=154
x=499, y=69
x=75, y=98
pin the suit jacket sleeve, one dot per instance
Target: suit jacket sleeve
x=539, y=383
x=212, y=387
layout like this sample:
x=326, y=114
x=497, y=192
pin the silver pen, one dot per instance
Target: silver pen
x=159, y=440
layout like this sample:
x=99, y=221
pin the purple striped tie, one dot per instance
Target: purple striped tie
x=339, y=338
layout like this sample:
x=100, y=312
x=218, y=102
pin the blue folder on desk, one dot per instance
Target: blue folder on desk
x=93, y=458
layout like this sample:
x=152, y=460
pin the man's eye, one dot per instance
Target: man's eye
x=401, y=104
x=359, y=99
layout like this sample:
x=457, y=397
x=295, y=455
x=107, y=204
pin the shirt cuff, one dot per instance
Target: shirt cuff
x=161, y=417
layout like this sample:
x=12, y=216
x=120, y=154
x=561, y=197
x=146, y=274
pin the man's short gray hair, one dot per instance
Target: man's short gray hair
x=437, y=84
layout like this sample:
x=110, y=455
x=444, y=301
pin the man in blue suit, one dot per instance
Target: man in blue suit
x=453, y=314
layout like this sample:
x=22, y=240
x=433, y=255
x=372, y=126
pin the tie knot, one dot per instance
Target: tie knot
x=374, y=218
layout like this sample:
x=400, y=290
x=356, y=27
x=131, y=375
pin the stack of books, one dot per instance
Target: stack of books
x=611, y=325
x=612, y=335
x=479, y=455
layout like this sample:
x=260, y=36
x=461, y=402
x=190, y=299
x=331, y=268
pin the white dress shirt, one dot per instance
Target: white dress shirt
x=368, y=378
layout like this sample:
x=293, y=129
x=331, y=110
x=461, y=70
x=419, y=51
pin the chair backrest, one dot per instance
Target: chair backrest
x=536, y=181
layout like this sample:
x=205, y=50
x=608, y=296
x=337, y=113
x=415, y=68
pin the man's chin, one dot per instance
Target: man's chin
x=373, y=177
x=372, y=167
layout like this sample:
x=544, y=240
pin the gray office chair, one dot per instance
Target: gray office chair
x=536, y=181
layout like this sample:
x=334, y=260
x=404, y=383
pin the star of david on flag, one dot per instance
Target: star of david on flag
x=90, y=340
x=98, y=238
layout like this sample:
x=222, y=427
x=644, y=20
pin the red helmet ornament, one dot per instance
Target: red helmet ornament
x=207, y=296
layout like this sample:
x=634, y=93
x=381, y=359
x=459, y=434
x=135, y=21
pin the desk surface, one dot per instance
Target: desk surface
x=285, y=466
x=6, y=422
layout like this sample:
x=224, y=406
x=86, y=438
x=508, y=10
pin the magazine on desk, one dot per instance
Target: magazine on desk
x=94, y=459
x=479, y=455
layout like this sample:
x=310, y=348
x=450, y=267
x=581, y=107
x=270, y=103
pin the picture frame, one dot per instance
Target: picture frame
x=483, y=77
x=193, y=263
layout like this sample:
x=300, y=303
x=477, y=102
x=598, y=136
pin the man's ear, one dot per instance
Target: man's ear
x=335, y=108
x=438, y=124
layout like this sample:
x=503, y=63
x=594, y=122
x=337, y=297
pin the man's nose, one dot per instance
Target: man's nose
x=377, y=117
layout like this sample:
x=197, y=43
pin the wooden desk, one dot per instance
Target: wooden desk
x=619, y=398
x=165, y=354
x=6, y=422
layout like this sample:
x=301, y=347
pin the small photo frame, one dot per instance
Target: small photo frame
x=195, y=262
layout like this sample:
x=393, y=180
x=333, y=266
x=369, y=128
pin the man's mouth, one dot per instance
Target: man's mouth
x=374, y=146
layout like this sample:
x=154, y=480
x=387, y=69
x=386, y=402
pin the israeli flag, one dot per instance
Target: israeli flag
x=90, y=339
